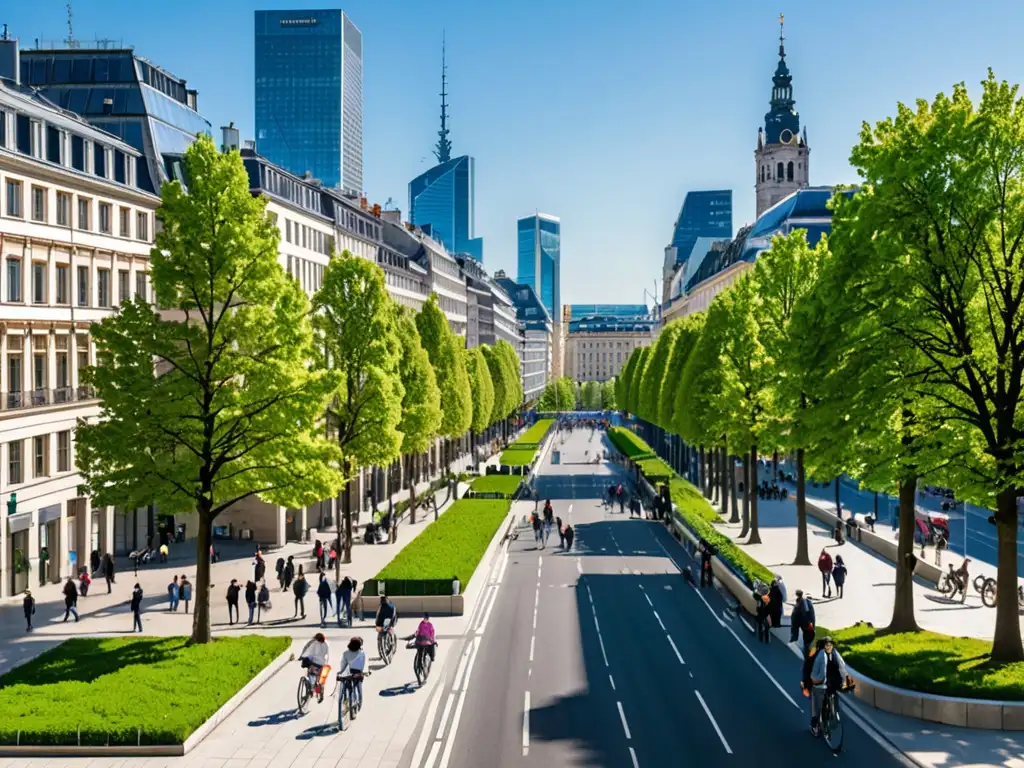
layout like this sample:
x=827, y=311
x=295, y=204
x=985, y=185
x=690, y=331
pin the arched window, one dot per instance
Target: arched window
x=762, y=173
x=789, y=171
x=780, y=173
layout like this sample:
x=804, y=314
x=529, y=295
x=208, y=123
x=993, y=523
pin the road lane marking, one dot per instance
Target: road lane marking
x=711, y=717
x=434, y=749
x=625, y=725
x=747, y=625
x=678, y=654
x=612, y=681
x=660, y=623
x=596, y=624
x=487, y=615
x=532, y=641
x=504, y=565
x=579, y=565
x=605, y=655
x=535, y=619
x=632, y=754
x=759, y=664
x=421, y=744
x=526, y=725
x=445, y=715
x=648, y=600
x=461, y=669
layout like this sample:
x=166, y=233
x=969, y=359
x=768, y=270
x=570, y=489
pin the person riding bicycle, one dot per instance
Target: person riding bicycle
x=314, y=658
x=962, y=576
x=353, y=662
x=828, y=675
x=426, y=637
x=386, y=612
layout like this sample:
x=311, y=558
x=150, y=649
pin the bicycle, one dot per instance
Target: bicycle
x=950, y=584
x=312, y=682
x=831, y=723
x=989, y=593
x=422, y=663
x=348, y=703
x=386, y=642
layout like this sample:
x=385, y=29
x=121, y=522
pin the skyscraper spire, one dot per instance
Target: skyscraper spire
x=443, y=153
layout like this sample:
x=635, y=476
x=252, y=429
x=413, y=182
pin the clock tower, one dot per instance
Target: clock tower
x=782, y=155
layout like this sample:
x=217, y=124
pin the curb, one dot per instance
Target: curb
x=158, y=750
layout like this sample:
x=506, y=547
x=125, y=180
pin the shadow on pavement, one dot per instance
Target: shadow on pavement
x=277, y=718
x=327, y=729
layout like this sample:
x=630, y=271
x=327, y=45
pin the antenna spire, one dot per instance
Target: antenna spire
x=443, y=152
x=782, y=35
x=71, y=33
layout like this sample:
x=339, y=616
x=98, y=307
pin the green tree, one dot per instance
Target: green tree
x=636, y=379
x=499, y=380
x=212, y=401
x=513, y=373
x=444, y=350
x=660, y=378
x=625, y=378
x=940, y=223
x=421, y=403
x=481, y=387
x=608, y=389
x=356, y=337
x=590, y=395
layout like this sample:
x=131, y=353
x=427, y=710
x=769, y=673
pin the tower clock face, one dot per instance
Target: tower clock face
x=786, y=137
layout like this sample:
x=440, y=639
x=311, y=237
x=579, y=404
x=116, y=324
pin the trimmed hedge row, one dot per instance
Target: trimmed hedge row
x=522, y=452
x=503, y=484
x=629, y=444
x=536, y=433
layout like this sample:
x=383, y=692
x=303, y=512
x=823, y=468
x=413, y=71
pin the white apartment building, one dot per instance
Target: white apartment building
x=75, y=235
x=600, y=356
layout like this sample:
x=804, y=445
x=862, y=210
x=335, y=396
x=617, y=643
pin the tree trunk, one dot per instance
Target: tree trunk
x=802, y=555
x=715, y=466
x=346, y=546
x=1006, y=643
x=201, y=615
x=748, y=478
x=723, y=456
x=839, y=508
x=903, y=619
x=755, y=534
x=412, y=506
x=701, y=474
x=735, y=517
x=775, y=466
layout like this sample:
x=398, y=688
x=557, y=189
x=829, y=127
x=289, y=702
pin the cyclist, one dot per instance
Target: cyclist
x=314, y=658
x=828, y=675
x=425, y=636
x=962, y=577
x=353, y=662
x=386, y=612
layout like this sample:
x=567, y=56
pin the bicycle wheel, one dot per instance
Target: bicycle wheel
x=303, y=695
x=833, y=728
x=417, y=666
x=425, y=664
x=988, y=593
x=381, y=645
x=389, y=646
x=979, y=583
x=342, y=706
x=945, y=585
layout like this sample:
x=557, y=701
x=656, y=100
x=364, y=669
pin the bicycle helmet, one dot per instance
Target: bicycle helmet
x=355, y=644
x=827, y=639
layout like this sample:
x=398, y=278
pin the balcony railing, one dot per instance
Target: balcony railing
x=37, y=398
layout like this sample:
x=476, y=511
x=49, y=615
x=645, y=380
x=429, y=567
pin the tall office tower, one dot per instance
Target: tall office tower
x=540, y=259
x=705, y=217
x=441, y=200
x=309, y=95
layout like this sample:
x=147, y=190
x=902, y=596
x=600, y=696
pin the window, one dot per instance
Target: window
x=39, y=370
x=83, y=286
x=789, y=171
x=53, y=144
x=77, y=153
x=83, y=213
x=99, y=160
x=14, y=380
x=287, y=230
x=126, y=222
x=142, y=226
x=39, y=456
x=63, y=209
x=105, y=215
x=13, y=198
x=103, y=287
x=14, y=462
x=779, y=172
x=64, y=451
x=14, y=279
x=62, y=284
x=38, y=282
x=140, y=286
x=62, y=364
x=123, y=286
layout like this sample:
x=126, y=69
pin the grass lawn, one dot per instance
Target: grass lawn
x=537, y=432
x=109, y=688
x=931, y=663
x=506, y=484
x=450, y=547
x=517, y=457
x=629, y=443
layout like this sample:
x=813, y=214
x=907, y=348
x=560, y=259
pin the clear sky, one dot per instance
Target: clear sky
x=603, y=113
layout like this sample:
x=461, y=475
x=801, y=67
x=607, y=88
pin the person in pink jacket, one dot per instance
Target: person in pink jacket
x=825, y=566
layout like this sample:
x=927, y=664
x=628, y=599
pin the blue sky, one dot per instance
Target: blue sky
x=602, y=113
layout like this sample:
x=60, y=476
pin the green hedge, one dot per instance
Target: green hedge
x=631, y=446
x=536, y=433
x=450, y=547
x=930, y=663
x=513, y=457
x=99, y=691
x=505, y=484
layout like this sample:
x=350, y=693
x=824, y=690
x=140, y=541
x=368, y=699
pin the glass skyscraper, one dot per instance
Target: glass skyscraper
x=309, y=95
x=441, y=202
x=705, y=213
x=540, y=259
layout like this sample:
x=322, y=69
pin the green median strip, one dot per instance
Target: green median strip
x=125, y=690
x=522, y=452
x=503, y=484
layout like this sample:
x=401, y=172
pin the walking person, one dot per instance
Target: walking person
x=569, y=536
x=802, y=621
x=549, y=520
x=343, y=600
x=621, y=494
x=289, y=573
x=172, y=595
x=561, y=533
x=108, y=570
x=28, y=605
x=232, y=596
x=185, y=591
x=94, y=562
x=538, y=532
x=299, y=589
x=762, y=614
x=70, y=599
x=250, y=599
x=262, y=601
x=136, y=606
x=839, y=575
x=279, y=569
x=776, y=600
x=323, y=591
x=259, y=567
x=825, y=566
x=706, y=574
x=318, y=553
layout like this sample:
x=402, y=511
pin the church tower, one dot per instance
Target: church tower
x=782, y=155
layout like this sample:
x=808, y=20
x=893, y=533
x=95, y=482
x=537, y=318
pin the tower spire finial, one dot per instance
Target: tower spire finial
x=443, y=152
x=782, y=35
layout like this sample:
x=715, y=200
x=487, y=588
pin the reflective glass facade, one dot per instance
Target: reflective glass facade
x=540, y=259
x=309, y=94
x=125, y=95
x=441, y=202
x=705, y=213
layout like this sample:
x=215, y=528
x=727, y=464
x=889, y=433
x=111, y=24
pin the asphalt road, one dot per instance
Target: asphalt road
x=604, y=656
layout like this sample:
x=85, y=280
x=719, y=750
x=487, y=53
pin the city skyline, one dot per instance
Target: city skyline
x=564, y=166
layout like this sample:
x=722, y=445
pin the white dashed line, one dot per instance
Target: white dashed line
x=625, y=725
x=632, y=754
x=678, y=654
x=612, y=681
x=711, y=717
x=759, y=664
x=526, y=725
x=532, y=641
x=660, y=623
x=603, y=654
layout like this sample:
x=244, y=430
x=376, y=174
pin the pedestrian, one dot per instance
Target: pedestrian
x=802, y=620
x=323, y=591
x=839, y=575
x=538, y=531
x=70, y=599
x=549, y=519
x=838, y=534
x=561, y=533
x=250, y=598
x=762, y=613
x=136, y=606
x=185, y=591
x=259, y=567
x=279, y=569
x=318, y=553
x=94, y=562
x=825, y=566
x=343, y=599
x=775, y=601
x=233, y=590
x=299, y=589
x=706, y=573
x=172, y=594
x=332, y=553
x=83, y=582
x=622, y=499
x=164, y=552
x=108, y=570
x=569, y=536
x=289, y=573
x=29, y=606
x=262, y=601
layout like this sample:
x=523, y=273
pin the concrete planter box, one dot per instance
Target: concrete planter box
x=948, y=710
x=736, y=586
